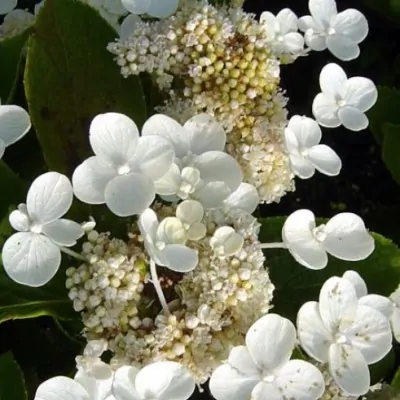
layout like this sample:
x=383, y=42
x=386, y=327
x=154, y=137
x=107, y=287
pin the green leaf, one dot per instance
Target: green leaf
x=396, y=382
x=391, y=149
x=10, y=60
x=12, y=384
x=296, y=284
x=70, y=77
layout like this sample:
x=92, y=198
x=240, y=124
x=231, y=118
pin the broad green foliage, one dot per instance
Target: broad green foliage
x=296, y=284
x=12, y=385
x=10, y=59
x=396, y=382
x=388, y=8
x=385, y=125
x=70, y=77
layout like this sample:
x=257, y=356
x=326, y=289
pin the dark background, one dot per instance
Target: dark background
x=364, y=186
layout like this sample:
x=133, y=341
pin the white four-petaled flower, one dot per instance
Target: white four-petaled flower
x=302, y=137
x=282, y=31
x=263, y=370
x=123, y=171
x=32, y=256
x=395, y=318
x=202, y=170
x=164, y=380
x=339, y=32
x=342, y=100
x=14, y=124
x=226, y=241
x=344, y=236
x=345, y=334
x=165, y=242
x=154, y=8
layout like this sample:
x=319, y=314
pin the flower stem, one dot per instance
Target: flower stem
x=157, y=287
x=73, y=254
x=276, y=245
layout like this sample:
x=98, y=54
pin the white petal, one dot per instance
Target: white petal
x=123, y=386
x=128, y=26
x=322, y=11
x=270, y=341
x=300, y=380
x=61, y=388
x=179, y=258
x=293, y=42
x=14, y=123
x=196, y=231
x=173, y=381
x=306, y=131
x=49, y=197
x=380, y=303
x=136, y=6
x=2, y=148
x=127, y=195
x=265, y=390
x=343, y=48
x=7, y=5
x=168, y=128
x=90, y=180
x=307, y=22
x=30, y=259
x=314, y=41
x=359, y=284
x=114, y=138
x=352, y=24
x=301, y=166
x=325, y=111
x=331, y=79
x=240, y=358
x=226, y=242
x=298, y=236
x=206, y=134
x=217, y=166
x=395, y=323
x=314, y=337
x=98, y=389
x=228, y=383
x=171, y=231
x=287, y=21
x=325, y=160
x=212, y=194
x=352, y=118
x=244, y=198
x=370, y=333
x=337, y=303
x=270, y=24
x=349, y=369
x=190, y=211
x=63, y=232
x=154, y=156
x=162, y=9
x=148, y=224
x=19, y=219
x=347, y=238
x=360, y=93
x=169, y=183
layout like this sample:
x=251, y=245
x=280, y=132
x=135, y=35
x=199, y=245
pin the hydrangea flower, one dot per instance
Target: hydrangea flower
x=302, y=137
x=165, y=242
x=153, y=8
x=339, y=32
x=82, y=387
x=263, y=369
x=344, y=236
x=164, y=380
x=32, y=256
x=347, y=335
x=282, y=31
x=342, y=100
x=123, y=171
x=226, y=241
x=202, y=170
x=14, y=124
x=191, y=213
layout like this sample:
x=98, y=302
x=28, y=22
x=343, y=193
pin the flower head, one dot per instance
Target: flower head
x=282, y=31
x=202, y=170
x=14, y=124
x=123, y=171
x=165, y=242
x=32, y=256
x=347, y=335
x=262, y=369
x=342, y=100
x=154, y=8
x=339, y=32
x=306, y=155
x=344, y=236
x=164, y=380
